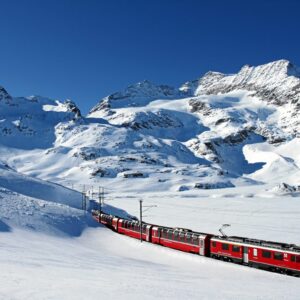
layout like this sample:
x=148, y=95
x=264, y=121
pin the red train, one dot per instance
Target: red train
x=272, y=256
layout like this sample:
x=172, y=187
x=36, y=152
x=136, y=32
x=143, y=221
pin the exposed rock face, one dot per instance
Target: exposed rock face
x=190, y=88
x=71, y=106
x=4, y=96
x=150, y=120
x=277, y=82
x=136, y=95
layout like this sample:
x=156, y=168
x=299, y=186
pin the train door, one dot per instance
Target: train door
x=245, y=255
x=148, y=233
x=115, y=223
x=202, y=246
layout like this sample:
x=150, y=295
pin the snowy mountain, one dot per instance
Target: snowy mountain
x=200, y=135
x=29, y=122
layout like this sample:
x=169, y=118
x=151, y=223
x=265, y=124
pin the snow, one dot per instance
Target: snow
x=281, y=162
x=106, y=265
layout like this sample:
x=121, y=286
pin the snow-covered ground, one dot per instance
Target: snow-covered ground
x=104, y=265
x=50, y=250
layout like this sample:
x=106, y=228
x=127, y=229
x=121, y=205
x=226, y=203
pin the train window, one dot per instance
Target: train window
x=188, y=238
x=195, y=240
x=266, y=254
x=225, y=247
x=254, y=252
x=295, y=258
x=144, y=228
x=170, y=235
x=214, y=244
x=181, y=237
x=235, y=248
x=176, y=235
x=278, y=256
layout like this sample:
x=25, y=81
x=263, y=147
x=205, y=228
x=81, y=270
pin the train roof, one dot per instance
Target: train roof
x=261, y=243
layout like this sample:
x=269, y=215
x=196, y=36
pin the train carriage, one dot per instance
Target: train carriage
x=273, y=256
x=226, y=249
x=181, y=239
x=132, y=229
x=108, y=220
x=270, y=256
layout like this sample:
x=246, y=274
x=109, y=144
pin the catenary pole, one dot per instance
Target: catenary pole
x=99, y=217
x=141, y=219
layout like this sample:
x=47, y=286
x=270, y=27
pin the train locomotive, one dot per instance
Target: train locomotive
x=271, y=256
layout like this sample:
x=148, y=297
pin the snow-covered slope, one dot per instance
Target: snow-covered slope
x=221, y=113
x=29, y=123
x=275, y=83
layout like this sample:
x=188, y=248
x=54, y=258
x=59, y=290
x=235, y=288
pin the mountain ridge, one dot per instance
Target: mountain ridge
x=183, y=138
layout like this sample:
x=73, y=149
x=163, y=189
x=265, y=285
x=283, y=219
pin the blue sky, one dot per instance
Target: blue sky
x=87, y=49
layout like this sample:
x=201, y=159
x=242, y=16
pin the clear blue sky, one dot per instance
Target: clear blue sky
x=86, y=49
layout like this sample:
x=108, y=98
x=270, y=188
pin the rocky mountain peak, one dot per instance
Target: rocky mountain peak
x=143, y=89
x=272, y=71
x=190, y=88
x=277, y=82
x=136, y=95
x=4, y=96
x=72, y=107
